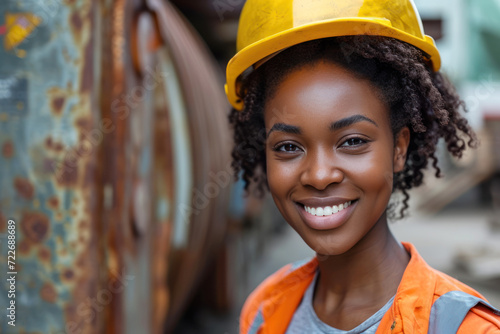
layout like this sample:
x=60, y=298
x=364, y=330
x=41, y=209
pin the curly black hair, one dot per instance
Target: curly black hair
x=417, y=97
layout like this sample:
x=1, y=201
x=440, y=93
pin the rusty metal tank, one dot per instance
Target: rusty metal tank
x=114, y=164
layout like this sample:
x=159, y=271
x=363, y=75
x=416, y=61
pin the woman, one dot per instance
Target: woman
x=337, y=105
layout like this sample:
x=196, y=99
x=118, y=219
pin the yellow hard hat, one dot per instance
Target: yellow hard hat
x=269, y=26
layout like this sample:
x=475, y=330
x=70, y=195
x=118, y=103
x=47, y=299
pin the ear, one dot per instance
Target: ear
x=400, y=149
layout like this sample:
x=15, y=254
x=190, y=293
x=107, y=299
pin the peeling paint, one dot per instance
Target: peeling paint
x=3, y=223
x=44, y=254
x=8, y=149
x=35, y=226
x=53, y=202
x=48, y=293
x=24, y=247
x=24, y=188
x=68, y=275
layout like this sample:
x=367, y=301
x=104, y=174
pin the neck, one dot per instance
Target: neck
x=369, y=272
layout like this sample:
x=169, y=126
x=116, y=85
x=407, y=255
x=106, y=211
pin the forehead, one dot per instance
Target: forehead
x=323, y=90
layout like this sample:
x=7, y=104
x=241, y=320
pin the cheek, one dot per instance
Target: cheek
x=279, y=176
x=374, y=173
x=282, y=179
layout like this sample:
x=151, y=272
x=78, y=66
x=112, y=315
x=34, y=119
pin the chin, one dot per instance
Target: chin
x=323, y=253
x=324, y=246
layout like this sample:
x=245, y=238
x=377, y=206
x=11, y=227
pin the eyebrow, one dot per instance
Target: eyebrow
x=344, y=122
x=282, y=127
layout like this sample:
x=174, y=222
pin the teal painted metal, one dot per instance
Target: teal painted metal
x=48, y=163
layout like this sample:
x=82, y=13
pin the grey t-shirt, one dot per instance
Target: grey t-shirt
x=305, y=319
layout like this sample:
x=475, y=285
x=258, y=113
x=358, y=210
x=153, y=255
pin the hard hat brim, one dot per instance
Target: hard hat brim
x=251, y=54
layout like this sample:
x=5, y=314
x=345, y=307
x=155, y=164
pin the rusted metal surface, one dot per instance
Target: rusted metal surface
x=206, y=113
x=158, y=160
x=50, y=173
x=114, y=162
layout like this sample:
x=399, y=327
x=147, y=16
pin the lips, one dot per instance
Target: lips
x=312, y=212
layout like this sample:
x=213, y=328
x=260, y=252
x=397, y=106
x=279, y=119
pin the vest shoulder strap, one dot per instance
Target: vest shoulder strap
x=449, y=311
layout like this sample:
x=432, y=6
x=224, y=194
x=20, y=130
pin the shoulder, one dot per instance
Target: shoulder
x=442, y=300
x=480, y=319
x=268, y=293
x=446, y=283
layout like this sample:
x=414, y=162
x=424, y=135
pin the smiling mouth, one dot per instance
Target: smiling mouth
x=327, y=210
x=327, y=217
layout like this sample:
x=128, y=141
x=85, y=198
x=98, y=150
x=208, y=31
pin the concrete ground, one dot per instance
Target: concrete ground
x=438, y=238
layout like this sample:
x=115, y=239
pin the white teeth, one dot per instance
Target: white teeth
x=328, y=210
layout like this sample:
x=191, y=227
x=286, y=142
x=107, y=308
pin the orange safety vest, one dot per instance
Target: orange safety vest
x=270, y=307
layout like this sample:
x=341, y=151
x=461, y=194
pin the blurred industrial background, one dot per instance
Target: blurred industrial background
x=115, y=166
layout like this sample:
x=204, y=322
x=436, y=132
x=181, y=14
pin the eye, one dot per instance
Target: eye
x=353, y=142
x=286, y=147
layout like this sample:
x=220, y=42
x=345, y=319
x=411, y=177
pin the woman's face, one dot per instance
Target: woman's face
x=330, y=156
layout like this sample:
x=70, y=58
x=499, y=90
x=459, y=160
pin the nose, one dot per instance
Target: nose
x=321, y=170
